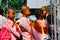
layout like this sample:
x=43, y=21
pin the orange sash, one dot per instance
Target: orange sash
x=40, y=29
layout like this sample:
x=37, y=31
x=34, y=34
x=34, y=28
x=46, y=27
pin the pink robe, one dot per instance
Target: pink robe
x=38, y=35
x=7, y=26
x=26, y=24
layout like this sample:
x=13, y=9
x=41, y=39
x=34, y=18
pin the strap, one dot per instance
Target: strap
x=17, y=27
x=13, y=24
x=12, y=32
x=24, y=30
x=31, y=25
x=37, y=27
x=40, y=29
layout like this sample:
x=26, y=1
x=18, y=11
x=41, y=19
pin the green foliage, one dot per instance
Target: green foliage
x=16, y=4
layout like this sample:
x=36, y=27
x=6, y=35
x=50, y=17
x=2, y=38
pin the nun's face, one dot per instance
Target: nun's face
x=27, y=12
x=44, y=11
x=11, y=13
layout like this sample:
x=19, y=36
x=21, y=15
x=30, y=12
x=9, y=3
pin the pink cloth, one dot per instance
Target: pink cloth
x=26, y=35
x=5, y=34
x=8, y=25
x=38, y=35
x=26, y=24
x=42, y=23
